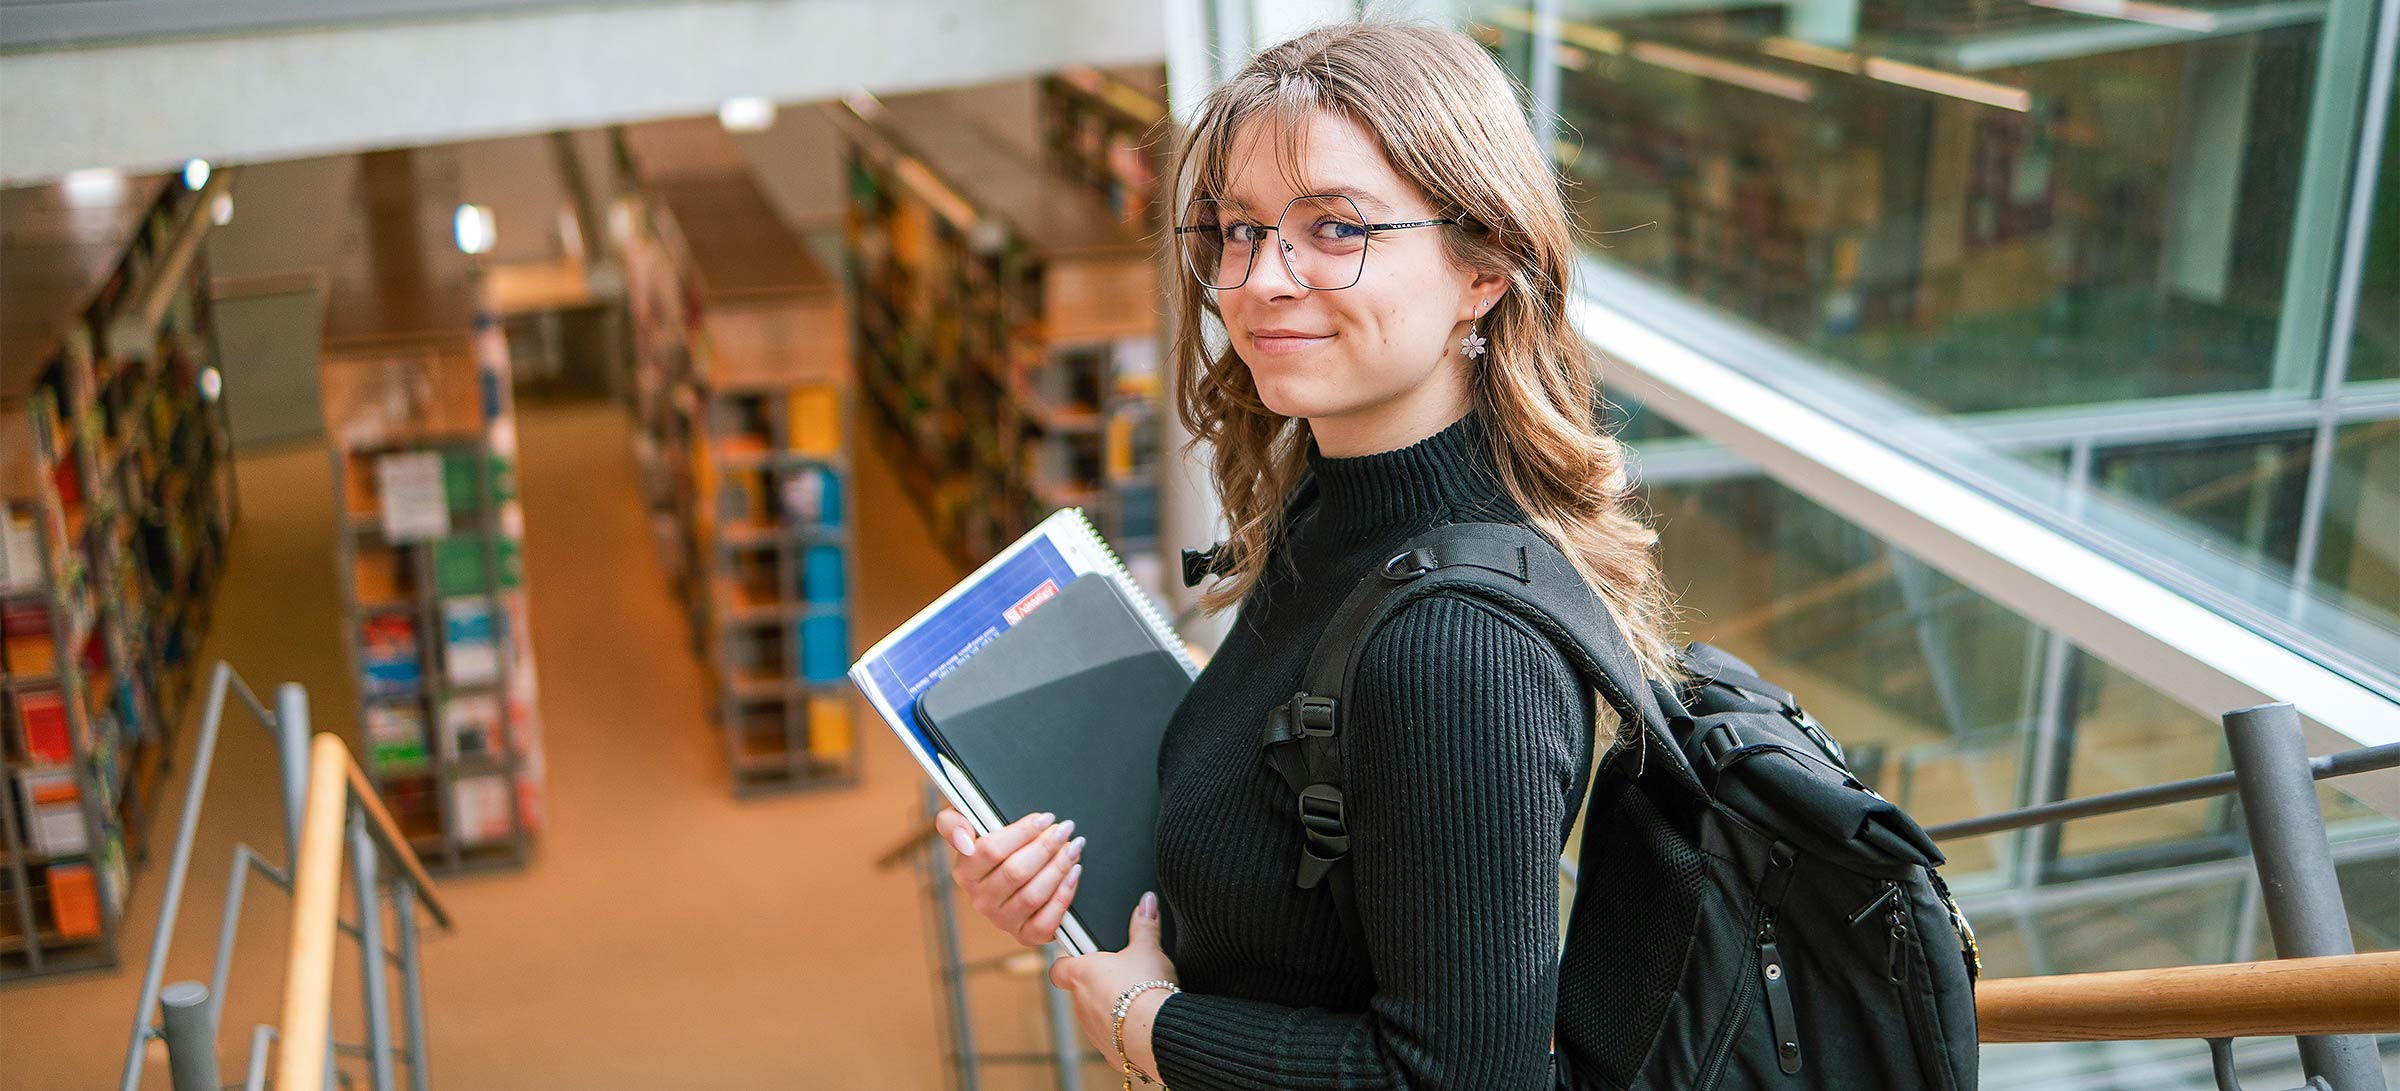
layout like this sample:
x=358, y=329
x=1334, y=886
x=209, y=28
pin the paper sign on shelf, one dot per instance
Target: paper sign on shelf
x=415, y=505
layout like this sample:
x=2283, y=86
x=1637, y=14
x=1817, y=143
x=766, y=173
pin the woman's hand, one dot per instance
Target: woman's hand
x=1095, y=981
x=1021, y=877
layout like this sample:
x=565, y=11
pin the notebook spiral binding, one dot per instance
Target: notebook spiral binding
x=1157, y=621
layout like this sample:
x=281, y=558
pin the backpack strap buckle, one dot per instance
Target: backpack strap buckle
x=1306, y=715
x=1312, y=714
x=1326, y=830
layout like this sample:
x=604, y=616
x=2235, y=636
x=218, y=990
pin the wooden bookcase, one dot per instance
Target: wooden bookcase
x=420, y=420
x=1104, y=129
x=742, y=396
x=116, y=499
x=1008, y=317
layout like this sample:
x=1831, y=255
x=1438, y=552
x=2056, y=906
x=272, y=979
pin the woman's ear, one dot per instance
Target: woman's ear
x=1483, y=294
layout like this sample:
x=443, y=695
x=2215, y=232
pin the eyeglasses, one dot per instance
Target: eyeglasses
x=1324, y=241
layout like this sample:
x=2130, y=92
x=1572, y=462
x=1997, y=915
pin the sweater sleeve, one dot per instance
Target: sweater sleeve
x=1458, y=767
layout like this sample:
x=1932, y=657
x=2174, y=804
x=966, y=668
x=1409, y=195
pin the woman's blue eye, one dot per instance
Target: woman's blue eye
x=1340, y=230
x=1241, y=233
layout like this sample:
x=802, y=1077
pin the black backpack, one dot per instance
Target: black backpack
x=1747, y=914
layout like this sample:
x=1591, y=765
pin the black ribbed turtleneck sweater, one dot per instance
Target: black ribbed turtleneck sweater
x=1464, y=756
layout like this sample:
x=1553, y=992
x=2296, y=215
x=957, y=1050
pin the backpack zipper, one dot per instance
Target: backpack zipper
x=1896, y=969
x=1738, y=1013
x=1968, y=949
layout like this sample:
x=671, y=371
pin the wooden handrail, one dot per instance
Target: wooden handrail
x=2341, y=994
x=387, y=830
x=334, y=778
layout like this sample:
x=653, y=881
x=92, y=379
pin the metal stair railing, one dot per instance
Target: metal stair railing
x=2318, y=989
x=189, y=1012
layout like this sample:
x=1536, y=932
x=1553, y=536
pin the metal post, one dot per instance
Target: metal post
x=1065, y=1038
x=412, y=992
x=191, y=1034
x=371, y=955
x=178, y=867
x=291, y=746
x=256, y=1080
x=953, y=965
x=2302, y=894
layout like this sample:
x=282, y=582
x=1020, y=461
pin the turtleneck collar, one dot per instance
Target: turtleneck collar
x=1444, y=477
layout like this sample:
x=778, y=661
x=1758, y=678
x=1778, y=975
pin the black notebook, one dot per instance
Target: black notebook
x=1063, y=712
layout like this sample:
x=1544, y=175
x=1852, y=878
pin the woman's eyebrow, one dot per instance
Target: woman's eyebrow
x=1363, y=199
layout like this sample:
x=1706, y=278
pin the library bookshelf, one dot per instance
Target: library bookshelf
x=116, y=500
x=1007, y=309
x=421, y=423
x=743, y=403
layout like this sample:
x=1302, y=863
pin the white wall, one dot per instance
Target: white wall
x=282, y=95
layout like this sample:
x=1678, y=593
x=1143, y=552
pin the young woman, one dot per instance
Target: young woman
x=1366, y=214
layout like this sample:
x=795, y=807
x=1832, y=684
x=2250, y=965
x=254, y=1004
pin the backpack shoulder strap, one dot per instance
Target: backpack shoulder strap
x=1513, y=568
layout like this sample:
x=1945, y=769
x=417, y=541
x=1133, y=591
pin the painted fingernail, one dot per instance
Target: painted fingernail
x=1075, y=848
x=964, y=840
x=1043, y=819
x=1062, y=831
x=1150, y=905
x=1073, y=874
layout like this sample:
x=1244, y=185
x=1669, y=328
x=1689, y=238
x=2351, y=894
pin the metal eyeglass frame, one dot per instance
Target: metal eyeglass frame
x=1284, y=251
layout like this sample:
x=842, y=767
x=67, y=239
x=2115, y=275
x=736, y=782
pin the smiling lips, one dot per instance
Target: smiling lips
x=1274, y=341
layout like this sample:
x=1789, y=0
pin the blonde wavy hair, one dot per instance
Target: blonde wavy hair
x=1450, y=122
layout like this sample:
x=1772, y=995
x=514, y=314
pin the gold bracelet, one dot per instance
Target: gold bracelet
x=1125, y=1005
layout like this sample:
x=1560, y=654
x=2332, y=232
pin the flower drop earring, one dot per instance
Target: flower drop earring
x=1473, y=344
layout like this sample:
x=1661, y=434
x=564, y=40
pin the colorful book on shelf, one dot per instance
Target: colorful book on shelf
x=902, y=670
x=816, y=421
x=471, y=726
x=812, y=498
x=31, y=655
x=54, y=807
x=376, y=577
x=42, y=727
x=20, y=552
x=822, y=581
x=388, y=654
x=479, y=808
x=395, y=735
x=74, y=900
x=459, y=567
x=461, y=488
x=829, y=737
x=824, y=646
x=470, y=641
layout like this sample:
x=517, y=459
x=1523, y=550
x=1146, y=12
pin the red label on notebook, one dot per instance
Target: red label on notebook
x=1033, y=598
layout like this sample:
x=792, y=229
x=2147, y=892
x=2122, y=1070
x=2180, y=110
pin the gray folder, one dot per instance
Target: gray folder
x=1063, y=712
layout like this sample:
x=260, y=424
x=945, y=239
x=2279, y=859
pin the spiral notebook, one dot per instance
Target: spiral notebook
x=1063, y=717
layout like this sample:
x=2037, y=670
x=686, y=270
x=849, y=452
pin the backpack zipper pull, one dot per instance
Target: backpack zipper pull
x=1781, y=1023
x=1889, y=889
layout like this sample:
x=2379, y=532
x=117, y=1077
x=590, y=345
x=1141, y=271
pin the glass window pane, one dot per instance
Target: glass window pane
x=1926, y=683
x=2246, y=492
x=2123, y=734
x=2358, y=561
x=2022, y=228
x=2375, y=345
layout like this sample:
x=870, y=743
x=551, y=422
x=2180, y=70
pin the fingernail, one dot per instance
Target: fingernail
x=1073, y=874
x=1075, y=848
x=1062, y=831
x=964, y=841
x=1150, y=905
x=1043, y=819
